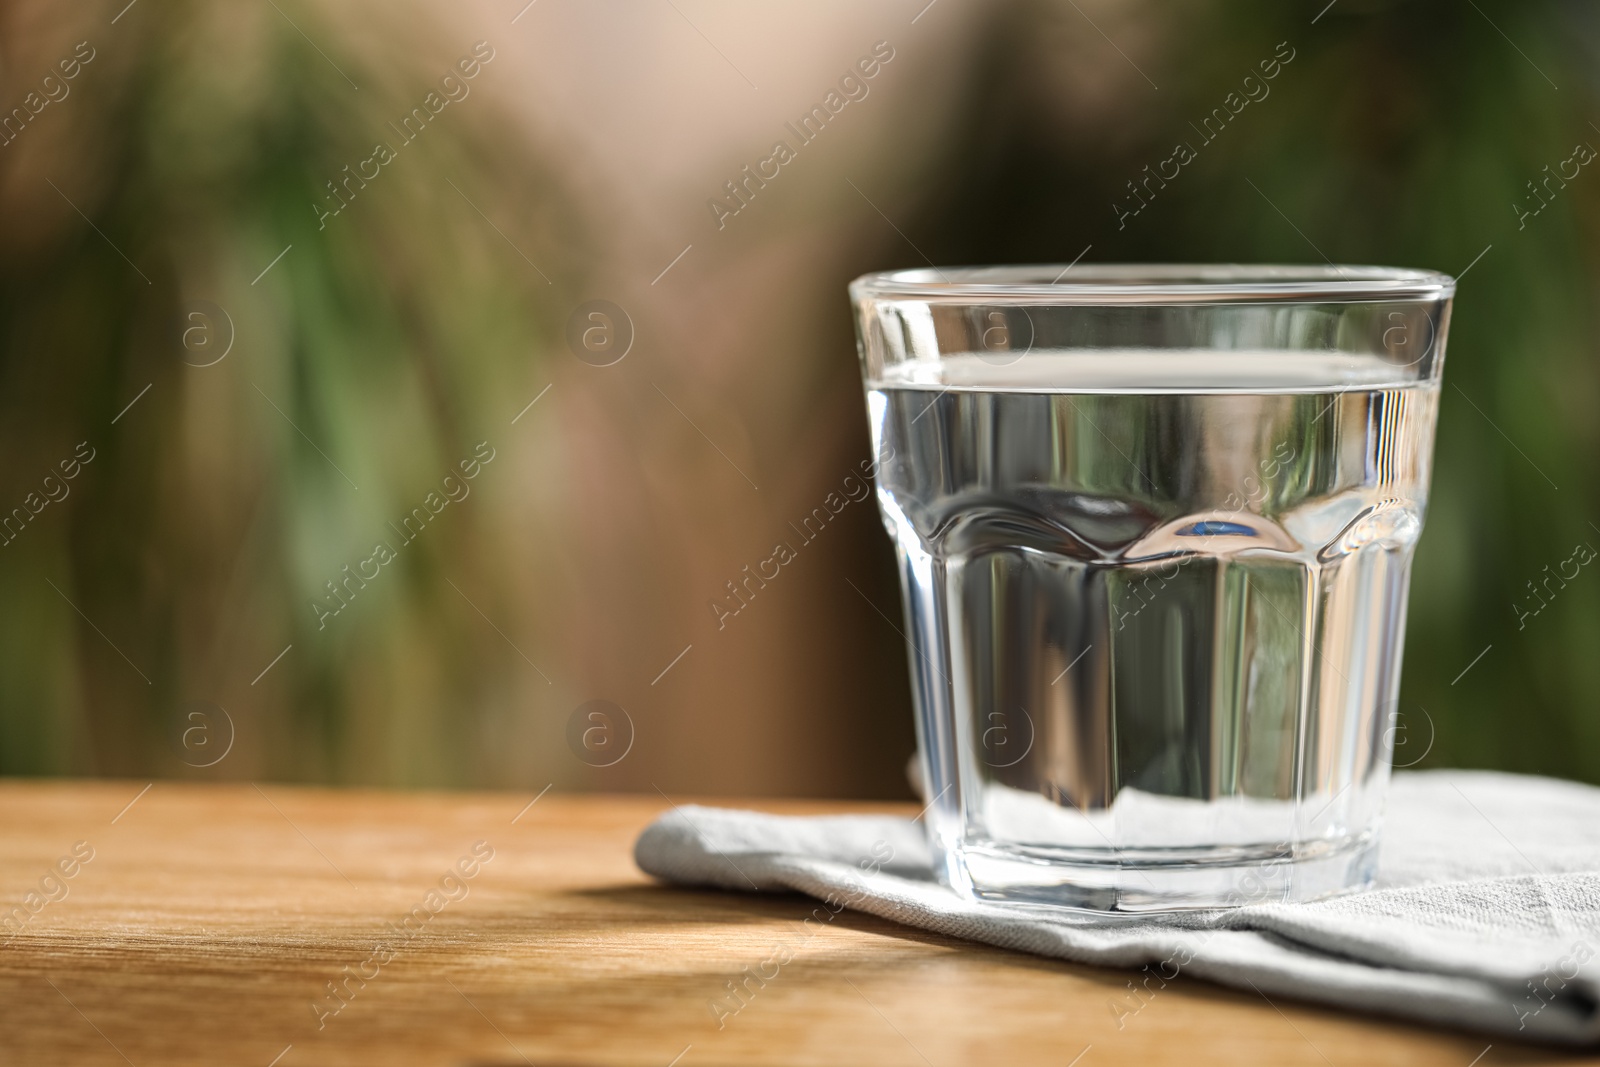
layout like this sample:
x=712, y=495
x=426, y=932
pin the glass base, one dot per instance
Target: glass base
x=1151, y=880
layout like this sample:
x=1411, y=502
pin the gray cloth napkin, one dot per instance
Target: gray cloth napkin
x=1485, y=913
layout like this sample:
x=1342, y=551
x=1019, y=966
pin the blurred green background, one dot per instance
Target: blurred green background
x=268, y=389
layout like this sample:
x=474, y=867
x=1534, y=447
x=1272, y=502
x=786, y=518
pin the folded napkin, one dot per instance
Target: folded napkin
x=1485, y=913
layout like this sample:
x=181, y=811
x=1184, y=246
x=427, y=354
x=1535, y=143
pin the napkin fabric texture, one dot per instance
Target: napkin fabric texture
x=1485, y=913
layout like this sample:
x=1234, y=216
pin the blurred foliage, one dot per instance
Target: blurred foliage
x=388, y=341
x=385, y=345
x=1401, y=133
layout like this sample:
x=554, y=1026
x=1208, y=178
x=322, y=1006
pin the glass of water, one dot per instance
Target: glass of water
x=1155, y=527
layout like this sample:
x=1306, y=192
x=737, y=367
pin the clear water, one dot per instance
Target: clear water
x=1155, y=601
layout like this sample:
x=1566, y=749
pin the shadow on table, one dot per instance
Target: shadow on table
x=705, y=909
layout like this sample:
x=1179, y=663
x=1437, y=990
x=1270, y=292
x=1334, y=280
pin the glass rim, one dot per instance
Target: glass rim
x=1092, y=284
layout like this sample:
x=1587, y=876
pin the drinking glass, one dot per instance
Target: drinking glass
x=1154, y=527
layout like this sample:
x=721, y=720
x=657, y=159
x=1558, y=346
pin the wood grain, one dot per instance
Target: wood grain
x=210, y=920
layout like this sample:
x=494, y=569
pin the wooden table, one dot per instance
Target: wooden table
x=209, y=921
